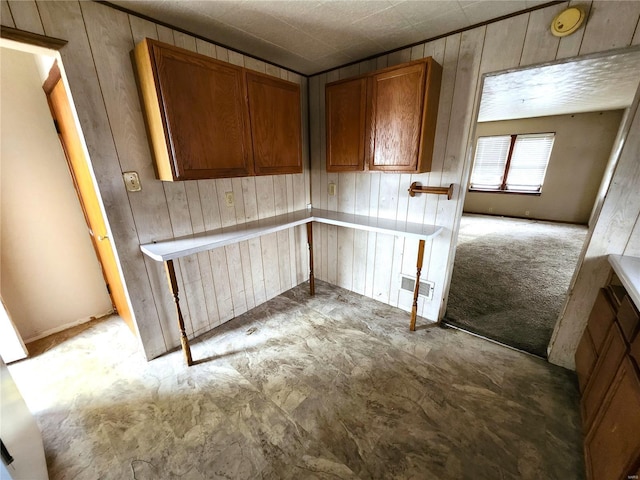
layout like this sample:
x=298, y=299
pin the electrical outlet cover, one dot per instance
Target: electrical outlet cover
x=228, y=199
x=132, y=181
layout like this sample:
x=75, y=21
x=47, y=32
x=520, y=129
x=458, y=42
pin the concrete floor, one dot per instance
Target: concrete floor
x=331, y=386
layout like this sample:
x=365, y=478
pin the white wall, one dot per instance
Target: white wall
x=50, y=275
x=20, y=434
x=580, y=154
x=617, y=231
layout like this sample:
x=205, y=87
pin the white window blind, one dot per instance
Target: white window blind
x=529, y=162
x=498, y=167
x=490, y=161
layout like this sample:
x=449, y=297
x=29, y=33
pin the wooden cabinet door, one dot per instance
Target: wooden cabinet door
x=396, y=99
x=345, y=107
x=600, y=320
x=613, y=444
x=585, y=359
x=628, y=318
x=634, y=350
x=274, y=113
x=613, y=352
x=204, y=115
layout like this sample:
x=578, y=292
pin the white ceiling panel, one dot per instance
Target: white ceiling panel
x=309, y=36
x=589, y=85
x=417, y=12
x=482, y=11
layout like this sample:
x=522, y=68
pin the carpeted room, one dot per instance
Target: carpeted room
x=517, y=251
x=511, y=278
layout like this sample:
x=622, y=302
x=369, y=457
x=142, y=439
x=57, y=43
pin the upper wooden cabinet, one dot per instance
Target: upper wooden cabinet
x=210, y=119
x=345, y=111
x=396, y=118
x=384, y=120
x=201, y=103
x=274, y=110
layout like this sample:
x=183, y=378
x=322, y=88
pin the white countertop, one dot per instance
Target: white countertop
x=375, y=224
x=179, y=247
x=628, y=271
x=201, y=242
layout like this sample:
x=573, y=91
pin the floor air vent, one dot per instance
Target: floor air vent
x=426, y=287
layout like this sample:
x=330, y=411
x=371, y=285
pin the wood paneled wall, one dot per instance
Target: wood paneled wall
x=215, y=286
x=223, y=283
x=616, y=231
x=371, y=263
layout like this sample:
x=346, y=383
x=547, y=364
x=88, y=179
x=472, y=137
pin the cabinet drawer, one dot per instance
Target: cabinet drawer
x=612, y=445
x=600, y=320
x=586, y=357
x=616, y=293
x=628, y=318
x=613, y=351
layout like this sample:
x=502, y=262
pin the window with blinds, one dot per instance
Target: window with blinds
x=511, y=163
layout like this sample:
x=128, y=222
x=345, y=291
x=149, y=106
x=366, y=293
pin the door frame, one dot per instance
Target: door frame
x=620, y=140
x=49, y=46
x=50, y=83
x=80, y=167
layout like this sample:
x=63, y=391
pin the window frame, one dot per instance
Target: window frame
x=505, y=177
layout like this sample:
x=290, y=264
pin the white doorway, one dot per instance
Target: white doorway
x=50, y=277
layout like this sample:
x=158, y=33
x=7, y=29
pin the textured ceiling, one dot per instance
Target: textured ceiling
x=589, y=85
x=310, y=36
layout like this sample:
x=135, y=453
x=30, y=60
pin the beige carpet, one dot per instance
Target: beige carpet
x=510, y=278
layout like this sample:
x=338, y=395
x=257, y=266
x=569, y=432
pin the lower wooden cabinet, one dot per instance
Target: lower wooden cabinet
x=612, y=447
x=612, y=354
x=586, y=358
x=607, y=364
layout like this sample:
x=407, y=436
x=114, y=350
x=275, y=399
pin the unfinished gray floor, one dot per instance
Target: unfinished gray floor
x=333, y=386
